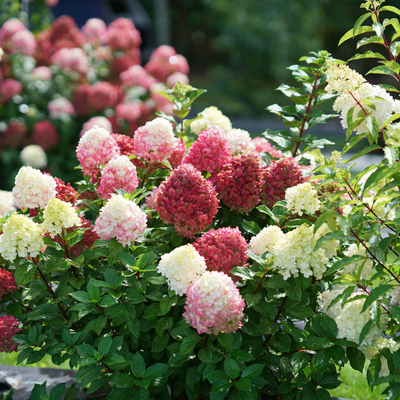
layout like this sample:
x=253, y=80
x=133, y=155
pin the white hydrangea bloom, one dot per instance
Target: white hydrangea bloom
x=378, y=207
x=380, y=344
x=33, y=189
x=266, y=239
x=392, y=135
x=352, y=268
x=326, y=298
x=302, y=197
x=384, y=105
x=57, y=215
x=211, y=117
x=182, y=267
x=6, y=202
x=160, y=133
x=34, y=156
x=21, y=237
x=350, y=320
x=342, y=79
x=239, y=140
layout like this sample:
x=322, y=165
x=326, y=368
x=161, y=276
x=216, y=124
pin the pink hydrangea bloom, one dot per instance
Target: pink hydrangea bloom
x=43, y=73
x=210, y=152
x=176, y=77
x=10, y=27
x=151, y=200
x=187, y=200
x=96, y=147
x=119, y=173
x=222, y=249
x=214, y=304
x=122, y=35
x=74, y=59
x=60, y=107
x=122, y=219
x=260, y=144
x=178, y=153
x=282, y=174
x=23, y=42
x=8, y=328
x=7, y=282
x=239, y=183
x=104, y=95
x=45, y=135
x=94, y=28
x=103, y=122
x=155, y=140
x=136, y=75
x=10, y=88
x=128, y=111
x=125, y=144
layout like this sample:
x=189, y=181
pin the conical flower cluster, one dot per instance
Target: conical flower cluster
x=7, y=282
x=8, y=328
x=239, y=183
x=187, y=200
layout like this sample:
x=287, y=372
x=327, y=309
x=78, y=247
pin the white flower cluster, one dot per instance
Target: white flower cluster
x=294, y=251
x=342, y=79
x=21, y=237
x=239, y=141
x=33, y=189
x=392, y=135
x=211, y=117
x=182, y=267
x=6, y=202
x=160, y=133
x=302, y=197
x=353, y=267
x=34, y=156
x=349, y=319
x=57, y=215
x=378, y=207
x=380, y=344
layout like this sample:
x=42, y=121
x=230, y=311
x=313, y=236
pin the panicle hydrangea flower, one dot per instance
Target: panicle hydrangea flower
x=151, y=200
x=10, y=88
x=179, y=152
x=392, y=135
x=33, y=189
x=214, y=304
x=6, y=202
x=125, y=144
x=60, y=107
x=45, y=135
x=43, y=73
x=182, y=266
x=136, y=75
x=100, y=121
x=294, y=251
x=302, y=197
x=94, y=28
x=350, y=320
x=21, y=237
x=176, y=77
x=342, y=79
x=96, y=147
x=128, y=111
x=282, y=174
x=260, y=145
x=7, y=283
x=187, y=200
x=8, y=329
x=155, y=140
x=222, y=249
x=210, y=152
x=65, y=192
x=122, y=219
x=23, y=42
x=10, y=27
x=57, y=215
x=71, y=59
x=353, y=267
x=378, y=207
x=238, y=183
x=119, y=173
x=34, y=156
x=239, y=141
x=211, y=117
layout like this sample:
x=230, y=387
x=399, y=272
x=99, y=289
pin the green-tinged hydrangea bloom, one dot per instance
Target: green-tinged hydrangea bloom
x=21, y=237
x=58, y=215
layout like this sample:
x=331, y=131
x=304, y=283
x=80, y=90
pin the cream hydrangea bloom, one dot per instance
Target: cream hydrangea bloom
x=342, y=79
x=266, y=240
x=392, y=135
x=57, y=215
x=302, y=197
x=380, y=344
x=239, y=140
x=182, y=267
x=211, y=117
x=353, y=267
x=21, y=237
x=34, y=156
x=33, y=189
x=6, y=202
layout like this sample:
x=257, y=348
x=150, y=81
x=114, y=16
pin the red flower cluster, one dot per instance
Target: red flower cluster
x=125, y=144
x=282, y=174
x=222, y=249
x=239, y=183
x=8, y=328
x=45, y=135
x=7, y=282
x=187, y=200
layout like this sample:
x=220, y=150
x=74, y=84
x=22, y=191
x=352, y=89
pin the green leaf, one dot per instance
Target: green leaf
x=81, y=296
x=373, y=127
x=76, y=238
x=241, y=356
x=323, y=218
x=205, y=355
x=127, y=259
x=356, y=358
x=155, y=371
x=85, y=350
x=231, y=368
x=253, y=371
x=375, y=294
x=367, y=54
x=251, y=226
x=367, y=327
x=352, y=33
x=225, y=340
x=105, y=345
x=138, y=366
x=327, y=237
x=25, y=272
x=57, y=392
x=382, y=70
x=243, y=383
x=299, y=361
x=188, y=344
x=114, y=359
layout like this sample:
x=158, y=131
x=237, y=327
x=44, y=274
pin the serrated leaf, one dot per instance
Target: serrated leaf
x=356, y=358
x=367, y=54
x=375, y=294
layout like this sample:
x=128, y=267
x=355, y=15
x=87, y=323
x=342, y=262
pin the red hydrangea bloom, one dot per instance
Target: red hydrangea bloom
x=282, y=174
x=104, y=95
x=9, y=88
x=187, y=200
x=8, y=328
x=65, y=192
x=178, y=153
x=45, y=135
x=136, y=75
x=128, y=111
x=260, y=144
x=7, y=282
x=210, y=152
x=125, y=144
x=122, y=35
x=239, y=183
x=222, y=249
x=82, y=97
x=124, y=61
x=10, y=27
